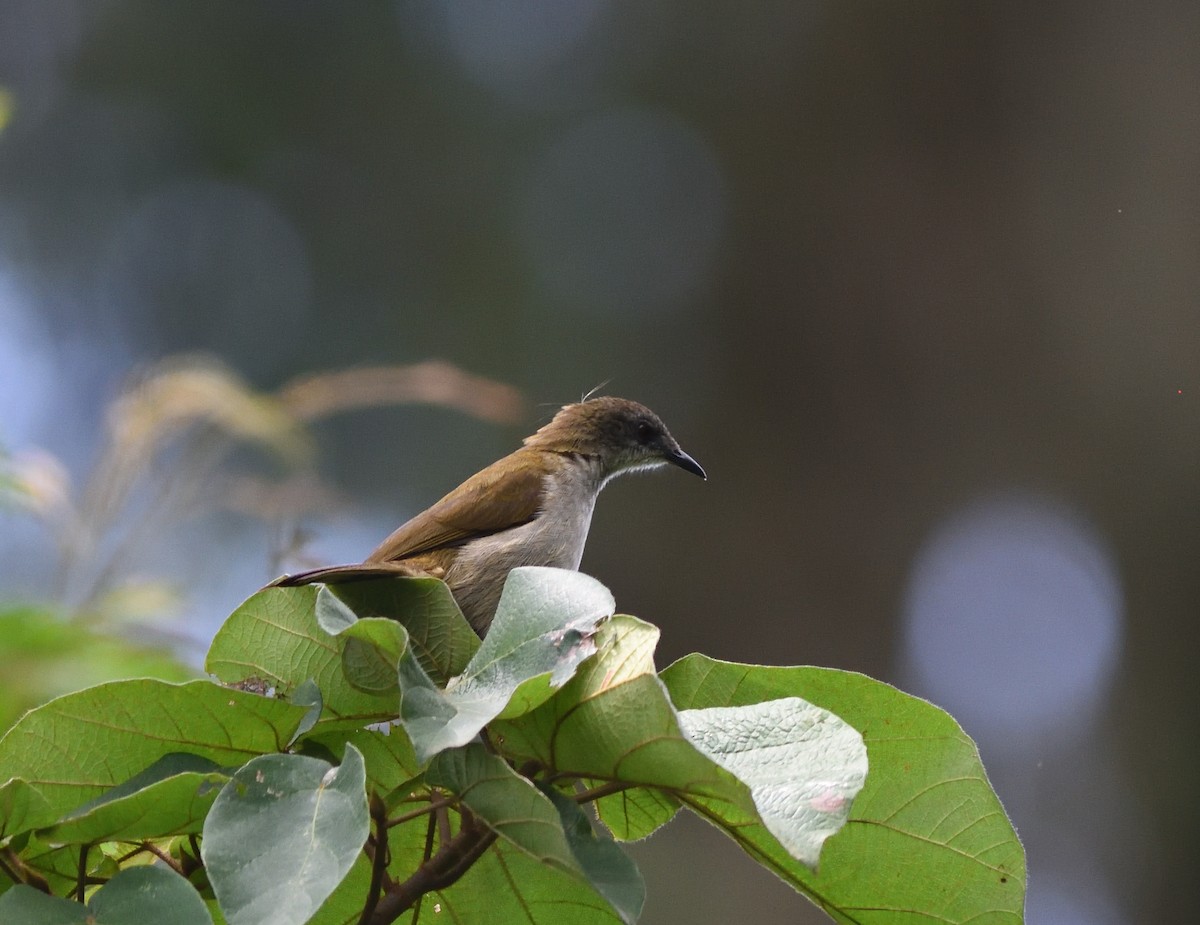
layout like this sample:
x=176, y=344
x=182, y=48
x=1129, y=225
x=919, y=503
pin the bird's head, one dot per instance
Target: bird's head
x=622, y=435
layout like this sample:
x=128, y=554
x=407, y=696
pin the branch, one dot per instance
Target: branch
x=164, y=857
x=380, y=861
x=430, y=828
x=452, y=860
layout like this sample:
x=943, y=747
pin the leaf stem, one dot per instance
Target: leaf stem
x=437, y=804
x=8, y=871
x=130, y=854
x=81, y=877
x=603, y=790
x=163, y=856
x=20, y=872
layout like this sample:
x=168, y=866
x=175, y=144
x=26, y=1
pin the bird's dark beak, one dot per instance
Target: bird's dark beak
x=681, y=459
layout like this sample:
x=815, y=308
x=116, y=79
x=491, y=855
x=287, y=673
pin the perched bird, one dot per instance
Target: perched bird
x=533, y=507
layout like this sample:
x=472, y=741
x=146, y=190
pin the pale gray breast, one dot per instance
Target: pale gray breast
x=555, y=538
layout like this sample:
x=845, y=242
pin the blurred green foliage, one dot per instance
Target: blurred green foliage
x=44, y=653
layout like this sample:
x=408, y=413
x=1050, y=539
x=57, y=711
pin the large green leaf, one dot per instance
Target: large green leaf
x=391, y=765
x=344, y=905
x=59, y=867
x=77, y=746
x=136, y=895
x=927, y=838
x=609, y=870
x=615, y=722
x=507, y=885
x=283, y=834
x=804, y=766
x=28, y=906
x=148, y=894
x=371, y=646
x=547, y=827
x=440, y=636
x=506, y=802
x=273, y=640
x=22, y=807
x=171, y=797
x=542, y=632
x=634, y=814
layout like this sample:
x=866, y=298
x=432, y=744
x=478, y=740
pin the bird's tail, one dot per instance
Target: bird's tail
x=336, y=574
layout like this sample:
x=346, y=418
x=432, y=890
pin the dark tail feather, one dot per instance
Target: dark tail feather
x=335, y=574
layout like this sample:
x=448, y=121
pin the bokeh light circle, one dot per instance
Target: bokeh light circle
x=1013, y=617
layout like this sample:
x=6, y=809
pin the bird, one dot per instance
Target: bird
x=532, y=507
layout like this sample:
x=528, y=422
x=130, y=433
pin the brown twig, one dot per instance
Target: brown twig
x=379, y=862
x=425, y=856
x=164, y=857
x=452, y=860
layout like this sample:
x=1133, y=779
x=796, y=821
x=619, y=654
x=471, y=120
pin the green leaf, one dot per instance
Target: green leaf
x=76, y=747
x=22, y=807
x=609, y=870
x=148, y=894
x=307, y=695
x=59, y=866
x=171, y=797
x=344, y=905
x=614, y=722
x=273, y=640
x=391, y=765
x=541, y=634
x=27, y=906
x=438, y=633
x=542, y=631
x=371, y=646
x=507, y=885
x=505, y=801
x=634, y=814
x=927, y=838
x=804, y=766
x=545, y=826
x=332, y=613
x=136, y=895
x=283, y=834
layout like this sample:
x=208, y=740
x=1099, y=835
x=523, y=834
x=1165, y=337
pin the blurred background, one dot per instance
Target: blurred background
x=919, y=285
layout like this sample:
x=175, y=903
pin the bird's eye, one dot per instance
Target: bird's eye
x=645, y=431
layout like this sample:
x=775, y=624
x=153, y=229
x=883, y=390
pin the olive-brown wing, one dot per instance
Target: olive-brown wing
x=506, y=494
